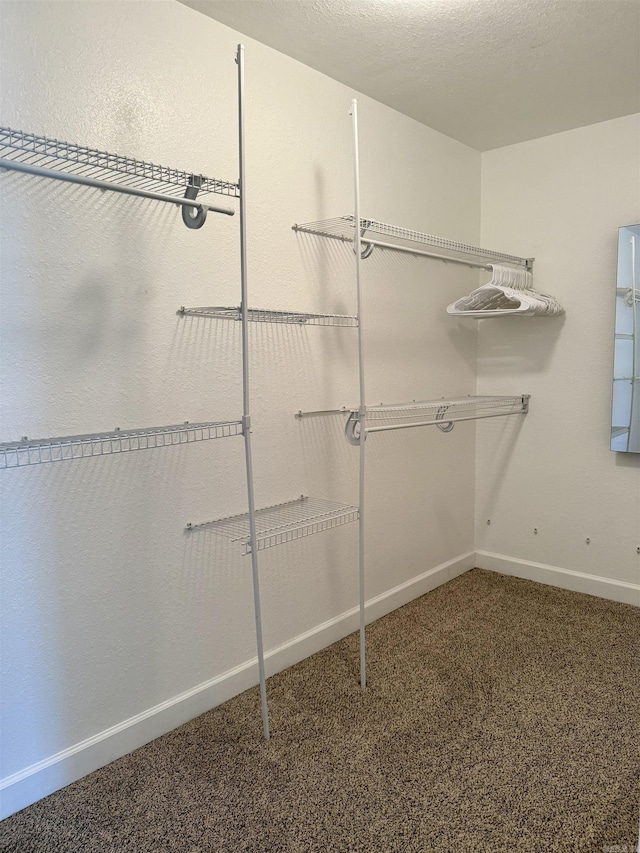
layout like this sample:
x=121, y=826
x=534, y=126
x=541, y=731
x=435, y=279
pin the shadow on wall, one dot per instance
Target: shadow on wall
x=322, y=438
x=76, y=318
x=198, y=341
x=537, y=339
x=77, y=598
x=629, y=460
x=213, y=573
x=505, y=436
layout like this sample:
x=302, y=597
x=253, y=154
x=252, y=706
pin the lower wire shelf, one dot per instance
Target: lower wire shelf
x=443, y=413
x=17, y=454
x=258, y=315
x=282, y=523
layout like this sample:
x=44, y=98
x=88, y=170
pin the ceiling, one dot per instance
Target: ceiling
x=486, y=72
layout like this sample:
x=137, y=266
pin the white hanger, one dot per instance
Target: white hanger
x=510, y=291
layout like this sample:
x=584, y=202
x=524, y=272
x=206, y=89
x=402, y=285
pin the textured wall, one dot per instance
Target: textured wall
x=108, y=607
x=562, y=199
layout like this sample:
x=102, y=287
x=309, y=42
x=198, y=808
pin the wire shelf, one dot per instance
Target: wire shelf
x=17, y=454
x=70, y=159
x=443, y=413
x=452, y=408
x=257, y=315
x=342, y=228
x=282, y=523
x=418, y=410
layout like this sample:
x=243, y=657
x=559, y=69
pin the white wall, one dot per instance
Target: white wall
x=562, y=199
x=116, y=624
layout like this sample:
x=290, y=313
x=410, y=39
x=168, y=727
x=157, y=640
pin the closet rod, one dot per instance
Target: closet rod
x=322, y=412
x=444, y=420
x=366, y=241
x=410, y=251
x=71, y=178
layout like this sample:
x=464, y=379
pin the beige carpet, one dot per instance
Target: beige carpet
x=501, y=715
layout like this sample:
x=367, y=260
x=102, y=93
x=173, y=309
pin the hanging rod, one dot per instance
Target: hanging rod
x=16, y=454
x=342, y=228
x=321, y=412
x=72, y=178
x=66, y=161
x=382, y=245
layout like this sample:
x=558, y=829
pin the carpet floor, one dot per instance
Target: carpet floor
x=500, y=715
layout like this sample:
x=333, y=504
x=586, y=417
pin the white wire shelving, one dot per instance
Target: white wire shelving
x=442, y=413
x=17, y=454
x=286, y=522
x=257, y=315
x=406, y=240
x=66, y=161
x=365, y=235
x=48, y=158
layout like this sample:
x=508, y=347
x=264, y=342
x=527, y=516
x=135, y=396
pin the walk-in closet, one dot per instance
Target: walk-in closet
x=387, y=255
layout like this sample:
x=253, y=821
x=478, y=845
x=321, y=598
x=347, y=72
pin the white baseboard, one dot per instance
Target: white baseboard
x=31, y=784
x=627, y=593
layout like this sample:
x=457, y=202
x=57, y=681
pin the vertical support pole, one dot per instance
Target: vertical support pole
x=246, y=418
x=357, y=247
x=634, y=435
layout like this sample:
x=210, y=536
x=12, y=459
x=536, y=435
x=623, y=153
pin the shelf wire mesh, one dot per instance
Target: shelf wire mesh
x=282, y=523
x=446, y=409
x=342, y=228
x=17, y=454
x=257, y=315
x=91, y=163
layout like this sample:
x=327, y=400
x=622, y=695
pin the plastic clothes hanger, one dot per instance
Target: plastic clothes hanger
x=509, y=292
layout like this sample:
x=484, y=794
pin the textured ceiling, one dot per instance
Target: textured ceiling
x=486, y=72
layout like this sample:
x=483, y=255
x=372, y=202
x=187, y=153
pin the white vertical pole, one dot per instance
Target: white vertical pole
x=246, y=419
x=357, y=247
x=633, y=435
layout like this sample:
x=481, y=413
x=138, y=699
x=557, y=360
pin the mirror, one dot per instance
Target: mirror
x=625, y=415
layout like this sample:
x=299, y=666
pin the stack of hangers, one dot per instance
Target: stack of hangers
x=510, y=291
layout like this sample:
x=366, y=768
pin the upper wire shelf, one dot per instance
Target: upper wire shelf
x=17, y=454
x=406, y=240
x=282, y=523
x=66, y=161
x=256, y=315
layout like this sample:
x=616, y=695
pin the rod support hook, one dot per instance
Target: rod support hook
x=352, y=429
x=447, y=426
x=194, y=217
x=366, y=251
x=367, y=248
